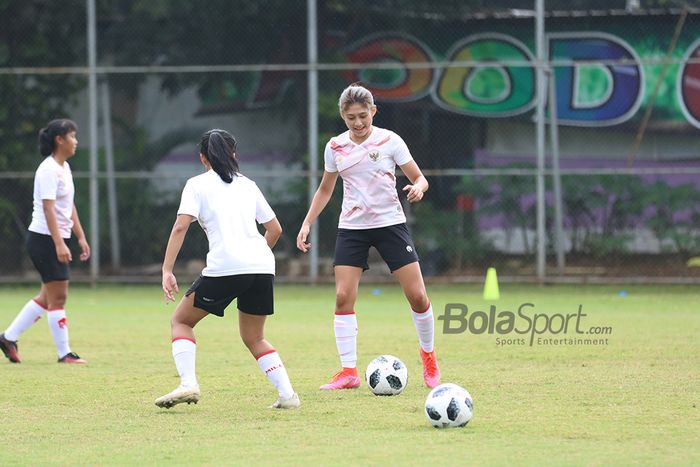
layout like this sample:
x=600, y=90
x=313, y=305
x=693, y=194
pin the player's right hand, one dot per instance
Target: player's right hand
x=301, y=238
x=63, y=253
x=169, y=286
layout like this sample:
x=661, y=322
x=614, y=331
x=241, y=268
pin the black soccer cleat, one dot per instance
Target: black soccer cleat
x=9, y=348
x=73, y=358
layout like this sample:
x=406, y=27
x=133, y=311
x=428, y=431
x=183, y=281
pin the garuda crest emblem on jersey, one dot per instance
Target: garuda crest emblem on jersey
x=374, y=156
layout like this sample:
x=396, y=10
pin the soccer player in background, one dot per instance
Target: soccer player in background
x=366, y=157
x=240, y=264
x=54, y=215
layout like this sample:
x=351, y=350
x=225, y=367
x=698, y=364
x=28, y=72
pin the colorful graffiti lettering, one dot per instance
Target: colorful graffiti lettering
x=592, y=91
x=595, y=95
x=496, y=90
x=689, y=86
x=394, y=84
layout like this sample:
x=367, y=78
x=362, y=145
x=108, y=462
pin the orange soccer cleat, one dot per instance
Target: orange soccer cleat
x=431, y=371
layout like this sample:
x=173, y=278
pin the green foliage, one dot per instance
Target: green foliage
x=12, y=230
x=600, y=210
x=290, y=206
x=457, y=8
x=626, y=200
x=447, y=239
x=603, y=246
x=29, y=34
x=503, y=196
x=581, y=206
x=677, y=216
x=182, y=32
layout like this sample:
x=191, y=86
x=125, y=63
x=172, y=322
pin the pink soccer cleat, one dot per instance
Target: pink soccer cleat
x=431, y=371
x=344, y=379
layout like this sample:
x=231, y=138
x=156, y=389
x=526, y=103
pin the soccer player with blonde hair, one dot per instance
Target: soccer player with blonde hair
x=366, y=157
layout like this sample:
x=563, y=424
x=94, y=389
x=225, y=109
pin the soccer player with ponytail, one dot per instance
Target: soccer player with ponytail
x=240, y=264
x=53, y=218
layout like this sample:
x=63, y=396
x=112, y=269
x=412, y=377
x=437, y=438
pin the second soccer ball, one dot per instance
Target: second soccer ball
x=386, y=375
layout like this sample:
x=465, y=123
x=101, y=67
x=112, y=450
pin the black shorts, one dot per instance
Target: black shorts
x=254, y=293
x=393, y=243
x=43, y=254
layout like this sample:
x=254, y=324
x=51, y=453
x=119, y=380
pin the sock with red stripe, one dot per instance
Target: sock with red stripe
x=345, y=328
x=30, y=313
x=271, y=364
x=58, y=324
x=184, y=354
x=425, y=328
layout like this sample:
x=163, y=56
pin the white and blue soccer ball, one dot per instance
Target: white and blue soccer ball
x=449, y=405
x=386, y=375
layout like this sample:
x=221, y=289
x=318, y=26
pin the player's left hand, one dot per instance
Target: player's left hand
x=84, y=250
x=414, y=194
x=169, y=286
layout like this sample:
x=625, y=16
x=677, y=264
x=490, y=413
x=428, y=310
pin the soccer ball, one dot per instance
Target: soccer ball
x=386, y=375
x=449, y=405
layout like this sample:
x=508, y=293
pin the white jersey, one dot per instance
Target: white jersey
x=53, y=181
x=368, y=171
x=228, y=213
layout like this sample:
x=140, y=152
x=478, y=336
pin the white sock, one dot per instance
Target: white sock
x=425, y=328
x=345, y=327
x=184, y=354
x=58, y=324
x=29, y=315
x=271, y=364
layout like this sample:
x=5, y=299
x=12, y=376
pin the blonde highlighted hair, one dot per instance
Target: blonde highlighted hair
x=355, y=94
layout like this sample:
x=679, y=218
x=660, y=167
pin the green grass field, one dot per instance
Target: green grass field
x=632, y=401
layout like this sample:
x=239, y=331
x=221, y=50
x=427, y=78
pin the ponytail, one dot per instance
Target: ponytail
x=219, y=148
x=47, y=135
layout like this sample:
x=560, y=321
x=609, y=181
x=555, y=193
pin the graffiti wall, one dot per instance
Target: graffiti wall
x=605, y=72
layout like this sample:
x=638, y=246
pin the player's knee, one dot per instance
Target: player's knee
x=251, y=340
x=177, y=321
x=57, y=301
x=418, y=300
x=344, y=301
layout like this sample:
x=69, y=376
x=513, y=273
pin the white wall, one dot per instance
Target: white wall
x=256, y=131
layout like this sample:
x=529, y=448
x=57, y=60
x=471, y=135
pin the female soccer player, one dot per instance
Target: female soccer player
x=53, y=217
x=240, y=264
x=366, y=156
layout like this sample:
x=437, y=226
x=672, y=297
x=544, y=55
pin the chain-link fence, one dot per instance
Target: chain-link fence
x=613, y=163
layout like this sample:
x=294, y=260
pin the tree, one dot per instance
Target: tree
x=33, y=33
